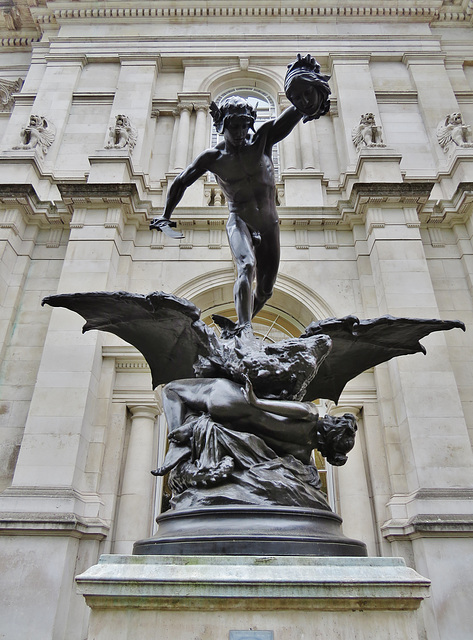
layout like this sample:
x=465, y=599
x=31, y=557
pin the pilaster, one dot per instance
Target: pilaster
x=434, y=439
x=133, y=98
x=136, y=499
x=59, y=424
x=435, y=93
x=355, y=94
x=353, y=490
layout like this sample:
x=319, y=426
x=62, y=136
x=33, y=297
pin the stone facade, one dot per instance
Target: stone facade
x=383, y=228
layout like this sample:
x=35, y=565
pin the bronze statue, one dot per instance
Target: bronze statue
x=241, y=421
x=242, y=164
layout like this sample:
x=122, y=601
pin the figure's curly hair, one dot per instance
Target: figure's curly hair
x=232, y=106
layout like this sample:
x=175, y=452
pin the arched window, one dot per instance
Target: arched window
x=265, y=110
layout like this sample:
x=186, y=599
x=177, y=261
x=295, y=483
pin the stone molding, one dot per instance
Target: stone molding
x=434, y=11
x=140, y=207
x=195, y=583
x=429, y=526
x=430, y=512
x=400, y=194
x=51, y=511
x=40, y=212
x=53, y=524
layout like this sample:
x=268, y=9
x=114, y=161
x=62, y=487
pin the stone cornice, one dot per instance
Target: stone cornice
x=42, y=212
x=435, y=10
x=23, y=31
x=429, y=525
x=53, y=524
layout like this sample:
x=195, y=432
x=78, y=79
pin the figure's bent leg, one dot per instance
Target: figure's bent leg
x=267, y=265
x=182, y=398
x=241, y=245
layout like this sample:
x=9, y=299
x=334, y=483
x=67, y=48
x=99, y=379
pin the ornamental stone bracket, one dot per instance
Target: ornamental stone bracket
x=429, y=526
x=83, y=196
x=402, y=194
x=51, y=511
x=24, y=198
x=457, y=209
x=7, y=90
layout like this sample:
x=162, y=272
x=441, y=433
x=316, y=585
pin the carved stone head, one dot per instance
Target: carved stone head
x=368, y=119
x=454, y=118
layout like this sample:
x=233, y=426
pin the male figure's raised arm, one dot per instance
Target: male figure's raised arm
x=282, y=126
x=177, y=189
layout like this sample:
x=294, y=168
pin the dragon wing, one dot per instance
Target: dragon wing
x=164, y=328
x=358, y=345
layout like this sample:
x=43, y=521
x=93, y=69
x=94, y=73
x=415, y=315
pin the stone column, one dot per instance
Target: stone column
x=19, y=358
x=288, y=146
x=11, y=246
x=307, y=145
x=60, y=419
x=200, y=136
x=182, y=142
x=172, y=153
x=136, y=501
x=52, y=493
x=428, y=450
x=353, y=486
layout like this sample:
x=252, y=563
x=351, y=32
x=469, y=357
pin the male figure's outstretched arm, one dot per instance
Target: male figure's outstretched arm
x=278, y=129
x=177, y=189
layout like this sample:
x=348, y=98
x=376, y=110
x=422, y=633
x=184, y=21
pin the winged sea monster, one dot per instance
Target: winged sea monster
x=242, y=425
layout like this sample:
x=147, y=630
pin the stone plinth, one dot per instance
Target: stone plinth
x=197, y=597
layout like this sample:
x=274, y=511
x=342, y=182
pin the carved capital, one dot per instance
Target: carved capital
x=184, y=106
x=149, y=412
x=338, y=410
x=201, y=107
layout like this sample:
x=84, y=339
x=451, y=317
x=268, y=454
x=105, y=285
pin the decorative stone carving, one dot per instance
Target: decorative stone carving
x=453, y=132
x=367, y=133
x=122, y=134
x=38, y=134
x=7, y=89
x=12, y=18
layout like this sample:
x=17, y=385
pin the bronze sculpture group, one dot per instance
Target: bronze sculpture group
x=242, y=425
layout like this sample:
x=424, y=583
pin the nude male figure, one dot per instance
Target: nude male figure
x=244, y=170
